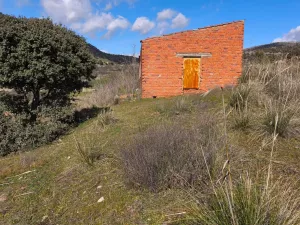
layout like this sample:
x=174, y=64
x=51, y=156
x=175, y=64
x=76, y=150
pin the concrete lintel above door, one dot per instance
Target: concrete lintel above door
x=194, y=55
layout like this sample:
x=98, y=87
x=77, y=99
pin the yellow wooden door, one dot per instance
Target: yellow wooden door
x=191, y=73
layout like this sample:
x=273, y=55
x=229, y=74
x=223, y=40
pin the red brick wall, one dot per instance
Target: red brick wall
x=162, y=70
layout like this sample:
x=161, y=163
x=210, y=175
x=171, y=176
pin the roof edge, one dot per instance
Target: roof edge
x=201, y=28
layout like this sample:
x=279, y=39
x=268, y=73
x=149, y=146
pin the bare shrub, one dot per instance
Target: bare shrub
x=170, y=155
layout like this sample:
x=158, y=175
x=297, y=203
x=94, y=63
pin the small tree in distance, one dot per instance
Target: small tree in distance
x=43, y=62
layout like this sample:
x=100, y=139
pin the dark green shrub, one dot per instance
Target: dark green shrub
x=17, y=135
x=42, y=62
x=43, y=65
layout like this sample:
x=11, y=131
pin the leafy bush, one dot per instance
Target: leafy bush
x=171, y=155
x=16, y=136
x=42, y=62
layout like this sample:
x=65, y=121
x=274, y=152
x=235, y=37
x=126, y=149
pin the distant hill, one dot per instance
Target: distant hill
x=107, y=57
x=274, y=50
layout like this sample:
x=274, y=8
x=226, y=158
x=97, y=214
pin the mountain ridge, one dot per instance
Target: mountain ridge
x=114, y=58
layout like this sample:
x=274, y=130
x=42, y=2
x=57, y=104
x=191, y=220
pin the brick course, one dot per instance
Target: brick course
x=162, y=69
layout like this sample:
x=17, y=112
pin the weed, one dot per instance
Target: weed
x=85, y=152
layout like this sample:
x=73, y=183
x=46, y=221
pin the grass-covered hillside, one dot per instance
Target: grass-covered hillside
x=107, y=58
x=273, y=51
x=225, y=157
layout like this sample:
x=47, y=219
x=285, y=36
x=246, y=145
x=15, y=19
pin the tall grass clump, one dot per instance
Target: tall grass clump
x=278, y=117
x=87, y=144
x=169, y=155
x=177, y=106
x=267, y=89
x=239, y=98
x=239, y=102
x=249, y=203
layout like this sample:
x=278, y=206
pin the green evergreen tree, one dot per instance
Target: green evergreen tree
x=43, y=62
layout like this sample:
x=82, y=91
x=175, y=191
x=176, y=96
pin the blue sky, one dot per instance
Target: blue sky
x=117, y=26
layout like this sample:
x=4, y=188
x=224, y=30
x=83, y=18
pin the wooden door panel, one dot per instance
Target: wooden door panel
x=191, y=73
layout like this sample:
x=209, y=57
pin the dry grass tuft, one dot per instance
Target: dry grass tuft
x=108, y=87
x=268, y=90
x=248, y=203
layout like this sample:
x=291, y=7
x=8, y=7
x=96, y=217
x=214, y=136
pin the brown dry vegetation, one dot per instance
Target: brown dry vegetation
x=225, y=157
x=112, y=83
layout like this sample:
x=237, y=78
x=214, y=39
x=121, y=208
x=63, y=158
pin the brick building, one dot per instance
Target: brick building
x=192, y=61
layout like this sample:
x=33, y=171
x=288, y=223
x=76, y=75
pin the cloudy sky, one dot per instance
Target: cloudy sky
x=117, y=26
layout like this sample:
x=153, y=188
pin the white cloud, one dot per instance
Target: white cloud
x=143, y=25
x=96, y=23
x=109, y=4
x=292, y=36
x=180, y=21
x=170, y=19
x=119, y=23
x=163, y=27
x=78, y=14
x=67, y=11
x=166, y=14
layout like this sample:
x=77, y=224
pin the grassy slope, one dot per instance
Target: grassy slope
x=65, y=189
x=61, y=189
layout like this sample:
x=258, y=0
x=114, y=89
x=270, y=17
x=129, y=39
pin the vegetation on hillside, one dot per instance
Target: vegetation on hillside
x=225, y=157
x=273, y=51
x=119, y=59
